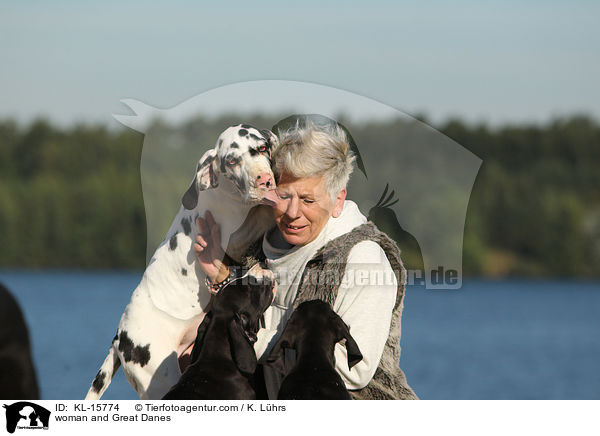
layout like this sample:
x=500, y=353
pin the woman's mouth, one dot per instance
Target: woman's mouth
x=293, y=229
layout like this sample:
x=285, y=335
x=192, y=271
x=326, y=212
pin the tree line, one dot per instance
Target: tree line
x=71, y=197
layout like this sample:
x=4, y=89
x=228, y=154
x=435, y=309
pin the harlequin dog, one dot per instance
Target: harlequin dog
x=313, y=330
x=159, y=324
x=223, y=359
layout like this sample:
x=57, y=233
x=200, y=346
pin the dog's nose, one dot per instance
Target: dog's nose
x=264, y=180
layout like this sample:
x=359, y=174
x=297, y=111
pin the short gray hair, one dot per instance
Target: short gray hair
x=315, y=151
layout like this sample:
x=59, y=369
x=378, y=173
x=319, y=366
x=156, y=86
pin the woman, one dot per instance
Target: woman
x=348, y=257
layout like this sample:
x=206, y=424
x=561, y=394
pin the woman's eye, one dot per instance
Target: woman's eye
x=309, y=201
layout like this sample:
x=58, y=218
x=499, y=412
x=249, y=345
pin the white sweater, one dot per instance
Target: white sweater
x=365, y=299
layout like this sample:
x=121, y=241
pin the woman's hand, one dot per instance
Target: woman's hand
x=208, y=249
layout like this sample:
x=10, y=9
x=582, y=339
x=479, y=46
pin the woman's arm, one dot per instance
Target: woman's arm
x=365, y=301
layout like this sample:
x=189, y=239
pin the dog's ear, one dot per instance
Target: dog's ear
x=277, y=356
x=199, y=342
x=242, y=350
x=352, y=350
x=272, y=140
x=206, y=177
x=276, y=359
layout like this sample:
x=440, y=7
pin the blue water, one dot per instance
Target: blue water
x=489, y=340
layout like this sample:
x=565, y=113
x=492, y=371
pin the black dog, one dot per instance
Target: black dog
x=223, y=357
x=17, y=374
x=313, y=330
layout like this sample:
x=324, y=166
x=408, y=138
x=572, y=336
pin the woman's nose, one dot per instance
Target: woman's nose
x=292, y=208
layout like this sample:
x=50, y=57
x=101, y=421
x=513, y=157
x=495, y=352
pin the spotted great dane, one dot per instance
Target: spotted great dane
x=159, y=324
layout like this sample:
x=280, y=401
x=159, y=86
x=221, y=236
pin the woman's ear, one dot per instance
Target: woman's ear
x=338, y=203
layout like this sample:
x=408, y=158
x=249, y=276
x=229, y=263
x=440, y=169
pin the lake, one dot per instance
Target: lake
x=509, y=339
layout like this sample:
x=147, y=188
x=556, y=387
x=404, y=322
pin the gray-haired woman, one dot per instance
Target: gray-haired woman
x=320, y=233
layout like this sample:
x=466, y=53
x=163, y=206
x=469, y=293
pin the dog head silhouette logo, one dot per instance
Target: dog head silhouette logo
x=26, y=415
x=429, y=177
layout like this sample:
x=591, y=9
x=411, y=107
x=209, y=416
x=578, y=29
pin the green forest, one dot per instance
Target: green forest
x=71, y=197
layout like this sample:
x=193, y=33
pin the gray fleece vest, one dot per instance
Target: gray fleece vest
x=321, y=279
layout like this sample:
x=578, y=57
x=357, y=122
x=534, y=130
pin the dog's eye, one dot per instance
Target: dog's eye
x=262, y=148
x=245, y=320
x=232, y=161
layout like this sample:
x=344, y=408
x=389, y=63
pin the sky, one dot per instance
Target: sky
x=495, y=62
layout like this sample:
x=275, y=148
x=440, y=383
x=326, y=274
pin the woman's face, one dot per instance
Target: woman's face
x=304, y=207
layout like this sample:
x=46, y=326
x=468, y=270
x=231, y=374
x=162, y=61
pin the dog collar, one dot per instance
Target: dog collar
x=215, y=288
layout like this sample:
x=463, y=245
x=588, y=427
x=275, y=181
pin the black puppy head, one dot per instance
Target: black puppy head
x=317, y=319
x=248, y=296
x=243, y=302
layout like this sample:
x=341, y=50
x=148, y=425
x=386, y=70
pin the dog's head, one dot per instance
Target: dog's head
x=247, y=299
x=243, y=156
x=242, y=303
x=316, y=320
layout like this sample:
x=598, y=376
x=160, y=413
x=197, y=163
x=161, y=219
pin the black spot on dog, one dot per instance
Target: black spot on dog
x=98, y=382
x=133, y=353
x=206, y=162
x=185, y=223
x=246, y=126
x=242, y=185
x=116, y=366
x=183, y=272
x=256, y=138
x=242, y=132
x=220, y=141
x=173, y=242
x=223, y=168
x=234, y=145
x=253, y=152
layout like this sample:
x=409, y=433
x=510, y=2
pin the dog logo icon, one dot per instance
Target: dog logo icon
x=26, y=415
